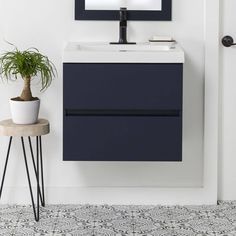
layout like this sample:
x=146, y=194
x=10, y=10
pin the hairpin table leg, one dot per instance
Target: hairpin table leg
x=41, y=164
x=41, y=193
x=5, y=167
x=36, y=211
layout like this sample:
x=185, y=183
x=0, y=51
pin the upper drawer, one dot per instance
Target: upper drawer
x=122, y=86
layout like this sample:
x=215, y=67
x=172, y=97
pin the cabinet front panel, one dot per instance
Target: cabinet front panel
x=123, y=86
x=122, y=138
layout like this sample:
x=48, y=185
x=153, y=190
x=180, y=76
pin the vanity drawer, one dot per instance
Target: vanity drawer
x=122, y=138
x=122, y=86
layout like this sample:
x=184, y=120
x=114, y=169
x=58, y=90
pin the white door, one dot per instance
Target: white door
x=227, y=157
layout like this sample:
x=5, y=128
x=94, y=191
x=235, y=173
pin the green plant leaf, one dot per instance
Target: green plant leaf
x=27, y=64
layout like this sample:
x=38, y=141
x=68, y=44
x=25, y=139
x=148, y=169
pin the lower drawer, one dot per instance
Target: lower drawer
x=122, y=138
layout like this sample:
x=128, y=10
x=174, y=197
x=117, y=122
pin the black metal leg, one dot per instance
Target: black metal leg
x=5, y=167
x=41, y=164
x=41, y=194
x=37, y=170
x=36, y=214
x=38, y=190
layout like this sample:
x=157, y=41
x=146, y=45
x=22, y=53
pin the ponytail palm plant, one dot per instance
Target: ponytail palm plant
x=27, y=64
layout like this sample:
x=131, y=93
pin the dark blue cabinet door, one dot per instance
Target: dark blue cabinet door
x=123, y=86
x=122, y=138
x=122, y=112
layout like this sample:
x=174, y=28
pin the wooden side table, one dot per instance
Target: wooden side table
x=8, y=128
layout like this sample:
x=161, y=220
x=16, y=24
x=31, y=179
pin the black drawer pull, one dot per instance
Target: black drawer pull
x=121, y=112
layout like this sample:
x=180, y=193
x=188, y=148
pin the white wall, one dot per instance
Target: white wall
x=48, y=25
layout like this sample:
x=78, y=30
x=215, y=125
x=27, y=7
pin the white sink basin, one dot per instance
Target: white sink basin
x=118, y=53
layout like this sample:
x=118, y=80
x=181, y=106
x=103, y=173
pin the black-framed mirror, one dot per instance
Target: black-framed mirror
x=148, y=10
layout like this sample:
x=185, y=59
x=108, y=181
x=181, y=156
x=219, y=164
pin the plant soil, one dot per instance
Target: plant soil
x=21, y=100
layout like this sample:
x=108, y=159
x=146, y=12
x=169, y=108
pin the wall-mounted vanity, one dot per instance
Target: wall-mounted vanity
x=109, y=9
x=122, y=102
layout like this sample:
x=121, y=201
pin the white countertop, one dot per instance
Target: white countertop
x=81, y=52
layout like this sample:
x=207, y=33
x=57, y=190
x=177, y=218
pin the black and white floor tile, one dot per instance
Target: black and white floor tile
x=106, y=220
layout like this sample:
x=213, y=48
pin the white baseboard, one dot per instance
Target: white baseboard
x=101, y=195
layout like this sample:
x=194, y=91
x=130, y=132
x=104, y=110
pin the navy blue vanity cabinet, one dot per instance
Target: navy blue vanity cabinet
x=122, y=112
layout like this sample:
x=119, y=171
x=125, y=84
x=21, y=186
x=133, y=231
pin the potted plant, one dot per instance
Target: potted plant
x=26, y=64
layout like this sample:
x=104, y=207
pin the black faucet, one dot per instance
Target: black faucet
x=123, y=27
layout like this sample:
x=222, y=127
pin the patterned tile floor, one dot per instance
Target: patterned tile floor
x=105, y=220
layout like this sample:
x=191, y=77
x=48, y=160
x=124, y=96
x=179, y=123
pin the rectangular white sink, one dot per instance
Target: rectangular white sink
x=122, y=53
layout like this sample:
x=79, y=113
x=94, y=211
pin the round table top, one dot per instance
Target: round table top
x=8, y=128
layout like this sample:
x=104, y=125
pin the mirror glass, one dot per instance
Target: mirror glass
x=143, y=5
